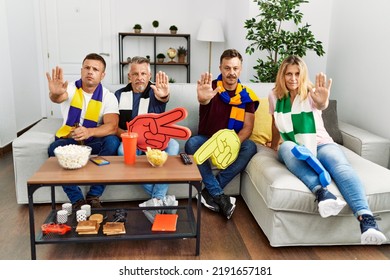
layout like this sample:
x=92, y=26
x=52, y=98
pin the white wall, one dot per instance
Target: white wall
x=358, y=62
x=7, y=108
x=20, y=70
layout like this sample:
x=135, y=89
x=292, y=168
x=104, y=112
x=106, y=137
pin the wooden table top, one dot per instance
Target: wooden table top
x=117, y=172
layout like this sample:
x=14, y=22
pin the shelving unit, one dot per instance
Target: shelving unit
x=153, y=60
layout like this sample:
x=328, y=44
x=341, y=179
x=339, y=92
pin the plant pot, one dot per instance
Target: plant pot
x=173, y=31
x=137, y=31
x=181, y=58
x=160, y=60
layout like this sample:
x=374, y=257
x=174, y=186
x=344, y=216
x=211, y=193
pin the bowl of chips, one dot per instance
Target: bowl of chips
x=156, y=157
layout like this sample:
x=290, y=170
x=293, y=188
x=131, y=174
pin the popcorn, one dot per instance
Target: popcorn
x=156, y=157
x=72, y=156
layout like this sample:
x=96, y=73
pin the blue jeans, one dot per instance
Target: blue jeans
x=216, y=184
x=102, y=146
x=334, y=161
x=157, y=190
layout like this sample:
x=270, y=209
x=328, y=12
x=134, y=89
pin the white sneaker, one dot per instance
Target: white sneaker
x=330, y=207
x=170, y=200
x=151, y=214
x=372, y=237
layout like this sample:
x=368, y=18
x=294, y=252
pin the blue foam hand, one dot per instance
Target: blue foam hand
x=303, y=153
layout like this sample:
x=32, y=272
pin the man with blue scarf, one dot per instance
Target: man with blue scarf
x=91, y=116
x=224, y=104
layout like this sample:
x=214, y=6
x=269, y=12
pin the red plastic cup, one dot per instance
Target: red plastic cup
x=129, y=141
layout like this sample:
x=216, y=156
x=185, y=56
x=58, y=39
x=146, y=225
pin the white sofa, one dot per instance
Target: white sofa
x=281, y=204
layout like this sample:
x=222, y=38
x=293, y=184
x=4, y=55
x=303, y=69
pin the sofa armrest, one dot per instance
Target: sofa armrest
x=366, y=144
x=30, y=151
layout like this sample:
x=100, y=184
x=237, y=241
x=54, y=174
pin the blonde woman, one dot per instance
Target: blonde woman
x=296, y=106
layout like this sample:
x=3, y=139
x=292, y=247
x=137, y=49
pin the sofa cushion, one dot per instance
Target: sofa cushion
x=262, y=132
x=331, y=122
x=283, y=191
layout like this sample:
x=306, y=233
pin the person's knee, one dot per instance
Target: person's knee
x=286, y=146
x=120, y=150
x=188, y=147
x=249, y=147
x=54, y=145
x=192, y=145
x=111, y=144
x=173, y=147
x=50, y=150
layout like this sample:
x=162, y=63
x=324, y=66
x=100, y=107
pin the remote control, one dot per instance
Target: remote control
x=185, y=158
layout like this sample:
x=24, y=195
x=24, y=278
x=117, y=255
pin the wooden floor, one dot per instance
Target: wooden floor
x=237, y=239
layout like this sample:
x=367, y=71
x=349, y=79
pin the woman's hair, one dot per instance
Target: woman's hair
x=305, y=84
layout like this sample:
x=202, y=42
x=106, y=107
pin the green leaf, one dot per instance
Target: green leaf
x=265, y=33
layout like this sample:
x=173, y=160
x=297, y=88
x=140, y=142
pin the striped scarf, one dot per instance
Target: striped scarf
x=242, y=96
x=296, y=123
x=91, y=115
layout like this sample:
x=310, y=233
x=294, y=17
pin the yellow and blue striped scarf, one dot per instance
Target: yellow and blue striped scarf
x=91, y=115
x=242, y=96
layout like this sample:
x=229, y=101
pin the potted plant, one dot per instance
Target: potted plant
x=155, y=25
x=173, y=29
x=266, y=33
x=137, y=28
x=181, y=54
x=160, y=58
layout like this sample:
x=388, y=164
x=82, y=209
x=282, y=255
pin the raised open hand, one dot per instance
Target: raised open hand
x=222, y=147
x=161, y=87
x=204, y=88
x=155, y=130
x=321, y=93
x=57, y=86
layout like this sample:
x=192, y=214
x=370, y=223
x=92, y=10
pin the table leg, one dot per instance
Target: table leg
x=198, y=187
x=32, y=224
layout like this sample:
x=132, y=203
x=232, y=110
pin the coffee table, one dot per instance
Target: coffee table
x=117, y=172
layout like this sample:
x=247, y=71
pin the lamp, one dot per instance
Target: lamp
x=211, y=31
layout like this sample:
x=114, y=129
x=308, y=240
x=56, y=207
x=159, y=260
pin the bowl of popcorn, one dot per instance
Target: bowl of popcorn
x=72, y=156
x=156, y=157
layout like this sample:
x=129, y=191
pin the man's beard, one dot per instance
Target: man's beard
x=140, y=88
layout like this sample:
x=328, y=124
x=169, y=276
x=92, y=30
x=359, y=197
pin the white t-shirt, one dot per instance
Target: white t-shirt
x=109, y=102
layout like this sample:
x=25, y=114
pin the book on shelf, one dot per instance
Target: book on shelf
x=165, y=222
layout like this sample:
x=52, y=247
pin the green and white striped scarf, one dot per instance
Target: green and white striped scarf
x=296, y=123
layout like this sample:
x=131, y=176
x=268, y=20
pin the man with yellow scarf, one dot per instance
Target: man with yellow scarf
x=226, y=120
x=90, y=114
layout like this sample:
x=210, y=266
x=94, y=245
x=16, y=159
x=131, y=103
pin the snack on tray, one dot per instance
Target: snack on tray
x=156, y=157
x=88, y=227
x=113, y=228
x=96, y=217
